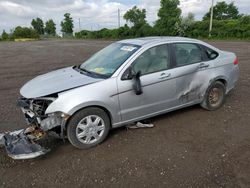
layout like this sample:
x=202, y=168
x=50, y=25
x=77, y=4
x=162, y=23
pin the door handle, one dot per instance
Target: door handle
x=164, y=76
x=203, y=65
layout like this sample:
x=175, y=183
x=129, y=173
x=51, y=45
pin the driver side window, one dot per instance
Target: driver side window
x=153, y=60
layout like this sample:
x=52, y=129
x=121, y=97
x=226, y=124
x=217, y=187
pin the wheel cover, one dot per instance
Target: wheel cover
x=90, y=129
x=215, y=97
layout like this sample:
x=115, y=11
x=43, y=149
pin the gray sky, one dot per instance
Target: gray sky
x=94, y=14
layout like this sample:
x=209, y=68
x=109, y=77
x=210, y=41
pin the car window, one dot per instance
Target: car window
x=187, y=53
x=210, y=54
x=153, y=60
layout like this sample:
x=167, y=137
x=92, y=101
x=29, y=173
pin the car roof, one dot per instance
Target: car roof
x=151, y=40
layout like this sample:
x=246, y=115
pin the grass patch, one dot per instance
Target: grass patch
x=25, y=39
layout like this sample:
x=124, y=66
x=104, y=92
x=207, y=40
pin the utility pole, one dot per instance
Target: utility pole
x=79, y=24
x=211, y=18
x=119, y=18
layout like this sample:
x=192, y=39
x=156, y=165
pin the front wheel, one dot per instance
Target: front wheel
x=88, y=128
x=215, y=96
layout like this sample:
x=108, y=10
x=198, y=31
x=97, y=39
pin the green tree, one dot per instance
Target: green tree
x=38, y=25
x=125, y=32
x=84, y=34
x=140, y=26
x=136, y=16
x=245, y=26
x=50, y=27
x=5, y=36
x=67, y=25
x=223, y=11
x=169, y=17
x=24, y=32
x=186, y=23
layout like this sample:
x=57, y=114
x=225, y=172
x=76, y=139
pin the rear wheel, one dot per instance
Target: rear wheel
x=215, y=96
x=88, y=128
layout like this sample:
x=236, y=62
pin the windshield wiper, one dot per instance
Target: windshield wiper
x=84, y=70
x=91, y=73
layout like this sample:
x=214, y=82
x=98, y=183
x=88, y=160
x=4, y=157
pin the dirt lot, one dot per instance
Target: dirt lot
x=187, y=148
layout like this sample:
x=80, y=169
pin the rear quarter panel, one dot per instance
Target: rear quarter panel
x=225, y=69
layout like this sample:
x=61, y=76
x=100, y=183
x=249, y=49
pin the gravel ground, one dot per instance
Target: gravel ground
x=186, y=148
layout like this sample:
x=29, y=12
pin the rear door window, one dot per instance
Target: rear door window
x=186, y=54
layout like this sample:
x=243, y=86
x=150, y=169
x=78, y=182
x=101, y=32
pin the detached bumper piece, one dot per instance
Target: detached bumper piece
x=22, y=144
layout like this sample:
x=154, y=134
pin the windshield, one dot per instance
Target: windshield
x=109, y=59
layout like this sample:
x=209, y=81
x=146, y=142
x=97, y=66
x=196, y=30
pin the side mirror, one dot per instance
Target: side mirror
x=137, y=83
x=129, y=74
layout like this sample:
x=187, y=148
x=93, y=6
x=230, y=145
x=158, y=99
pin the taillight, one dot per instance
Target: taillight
x=236, y=61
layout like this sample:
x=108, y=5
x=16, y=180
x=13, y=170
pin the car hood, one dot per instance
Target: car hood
x=55, y=82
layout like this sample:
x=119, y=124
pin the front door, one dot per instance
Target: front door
x=158, y=87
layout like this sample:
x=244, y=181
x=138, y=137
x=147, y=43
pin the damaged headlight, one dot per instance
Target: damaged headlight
x=34, y=109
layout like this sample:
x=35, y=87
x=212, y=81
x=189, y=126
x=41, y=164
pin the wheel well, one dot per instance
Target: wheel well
x=105, y=110
x=95, y=106
x=222, y=81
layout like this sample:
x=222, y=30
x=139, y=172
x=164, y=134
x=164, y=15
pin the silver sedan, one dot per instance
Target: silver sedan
x=126, y=82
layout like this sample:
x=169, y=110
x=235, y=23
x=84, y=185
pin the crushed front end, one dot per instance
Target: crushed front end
x=23, y=144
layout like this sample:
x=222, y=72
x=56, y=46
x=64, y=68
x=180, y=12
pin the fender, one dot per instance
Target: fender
x=98, y=94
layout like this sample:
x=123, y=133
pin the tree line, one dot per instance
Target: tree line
x=227, y=23
x=39, y=28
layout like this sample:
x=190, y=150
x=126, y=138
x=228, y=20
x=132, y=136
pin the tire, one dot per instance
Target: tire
x=214, y=97
x=85, y=130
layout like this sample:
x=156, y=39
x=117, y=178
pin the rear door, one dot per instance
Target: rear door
x=192, y=72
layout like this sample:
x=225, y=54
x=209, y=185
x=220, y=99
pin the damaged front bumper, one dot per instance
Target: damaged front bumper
x=23, y=144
